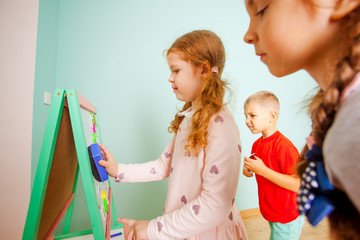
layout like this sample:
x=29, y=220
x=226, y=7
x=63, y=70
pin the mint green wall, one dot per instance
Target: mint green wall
x=111, y=51
x=45, y=73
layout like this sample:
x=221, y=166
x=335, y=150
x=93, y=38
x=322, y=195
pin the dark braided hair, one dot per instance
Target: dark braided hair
x=345, y=219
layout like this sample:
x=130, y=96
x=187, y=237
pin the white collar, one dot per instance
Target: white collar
x=187, y=113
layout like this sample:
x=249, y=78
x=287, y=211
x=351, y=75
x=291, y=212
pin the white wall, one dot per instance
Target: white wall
x=18, y=26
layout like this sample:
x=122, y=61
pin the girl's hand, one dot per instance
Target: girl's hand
x=109, y=162
x=255, y=165
x=138, y=229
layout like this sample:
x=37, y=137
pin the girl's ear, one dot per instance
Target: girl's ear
x=205, y=70
x=343, y=8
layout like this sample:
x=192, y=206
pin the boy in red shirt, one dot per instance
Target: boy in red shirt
x=273, y=160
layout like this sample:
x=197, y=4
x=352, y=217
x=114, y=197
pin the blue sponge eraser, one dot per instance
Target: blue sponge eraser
x=95, y=155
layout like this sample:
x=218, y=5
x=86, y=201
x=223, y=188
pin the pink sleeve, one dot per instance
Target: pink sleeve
x=220, y=179
x=150, y=171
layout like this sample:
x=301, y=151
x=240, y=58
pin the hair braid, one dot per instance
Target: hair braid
x=323, y=107
x=324, y=104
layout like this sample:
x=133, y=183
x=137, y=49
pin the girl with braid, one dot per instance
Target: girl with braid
x=202, y=160
x=323, y=38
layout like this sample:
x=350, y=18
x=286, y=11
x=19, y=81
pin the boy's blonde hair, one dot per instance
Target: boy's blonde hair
x=264, y=99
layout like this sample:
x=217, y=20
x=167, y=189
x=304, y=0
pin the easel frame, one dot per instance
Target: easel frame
x=66, y=142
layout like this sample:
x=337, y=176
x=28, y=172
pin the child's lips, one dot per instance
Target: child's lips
x=261, y=55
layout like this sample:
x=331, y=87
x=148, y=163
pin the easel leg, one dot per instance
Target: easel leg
x=51, y=231
x=126, y=230
x=108, y=219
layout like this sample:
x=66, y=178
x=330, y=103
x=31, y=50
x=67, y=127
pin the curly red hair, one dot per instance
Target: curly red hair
x=201, y=47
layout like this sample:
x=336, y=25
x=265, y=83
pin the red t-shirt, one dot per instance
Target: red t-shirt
x=277, y=204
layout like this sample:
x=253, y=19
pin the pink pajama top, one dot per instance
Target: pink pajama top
x=201, y=189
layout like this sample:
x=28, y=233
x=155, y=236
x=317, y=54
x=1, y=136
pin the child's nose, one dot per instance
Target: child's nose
x=171, y=79
x=250, y=36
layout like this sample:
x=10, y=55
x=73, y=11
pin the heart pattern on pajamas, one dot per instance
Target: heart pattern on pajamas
x=231, y=216
x=159, y=225
x=183, y=199
x=120, y=177
x=219, y=119
x=196, y=209
x=214, y=169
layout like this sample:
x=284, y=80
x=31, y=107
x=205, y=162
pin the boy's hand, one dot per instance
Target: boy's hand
x=109, y=162
x=255, y=165
x=247, y=172
x=138, y=228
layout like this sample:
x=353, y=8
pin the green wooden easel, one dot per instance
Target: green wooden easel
x=69, y=131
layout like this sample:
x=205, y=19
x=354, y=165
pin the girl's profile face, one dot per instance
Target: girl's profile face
x=289, y=35
x=185, y=78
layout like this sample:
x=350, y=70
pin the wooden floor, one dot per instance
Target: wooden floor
x=258, y=228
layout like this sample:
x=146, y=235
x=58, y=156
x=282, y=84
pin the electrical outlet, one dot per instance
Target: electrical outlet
x=47, y=98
